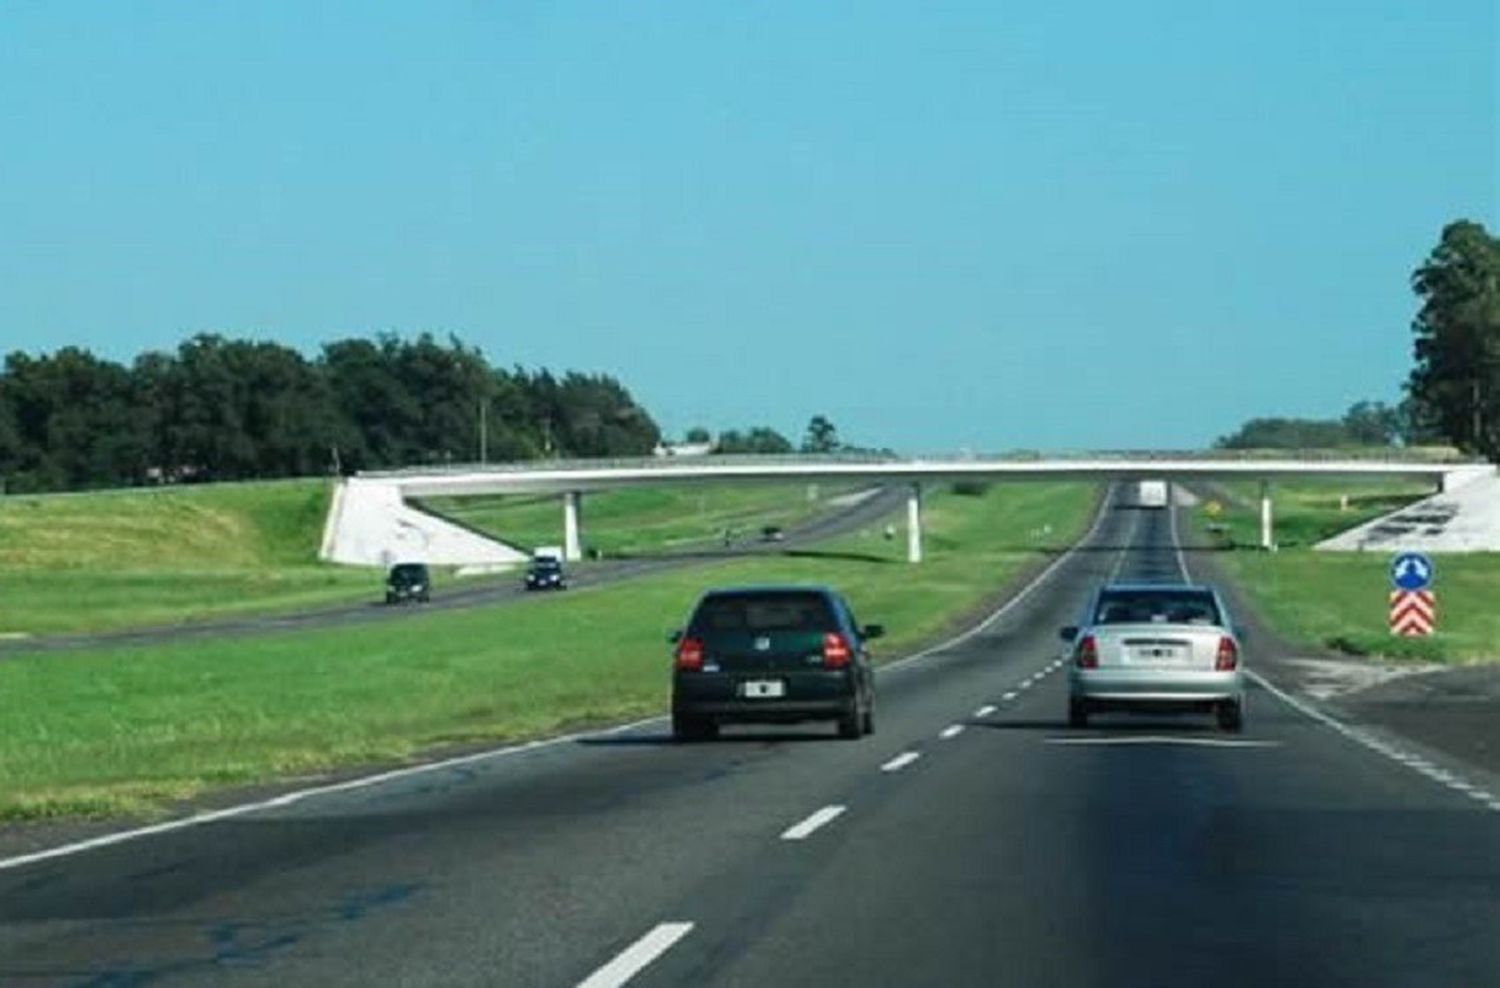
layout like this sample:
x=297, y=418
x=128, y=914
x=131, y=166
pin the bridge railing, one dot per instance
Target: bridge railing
x=1435, y=456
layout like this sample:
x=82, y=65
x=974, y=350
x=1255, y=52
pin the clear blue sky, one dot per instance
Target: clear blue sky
x=986, y=225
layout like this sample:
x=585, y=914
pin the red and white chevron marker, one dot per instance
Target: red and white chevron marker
x=1413, y=612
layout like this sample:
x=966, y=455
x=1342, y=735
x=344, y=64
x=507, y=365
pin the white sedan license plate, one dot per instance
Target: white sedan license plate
x=1160, y=653
x=761, y=689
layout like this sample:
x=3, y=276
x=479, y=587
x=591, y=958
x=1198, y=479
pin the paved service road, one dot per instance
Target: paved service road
x=973, y=840
x=486, y=591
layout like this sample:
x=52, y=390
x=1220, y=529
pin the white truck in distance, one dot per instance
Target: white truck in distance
x=1151, y=494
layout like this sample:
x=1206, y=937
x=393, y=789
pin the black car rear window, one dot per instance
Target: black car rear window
x=758, y=612
x=1170, y=606
x=409, y=573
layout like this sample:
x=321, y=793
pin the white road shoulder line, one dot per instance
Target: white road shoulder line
x=805, y=829
x=287, y=799
x=1367, y=740
x=951, y=731
x=985, y=710
x=900, y=761
x=630, y=961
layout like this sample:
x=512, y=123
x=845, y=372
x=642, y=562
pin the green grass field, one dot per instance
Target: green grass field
x=130, y=730
x=89, y=562
x=641, y=519
x=1339, y=599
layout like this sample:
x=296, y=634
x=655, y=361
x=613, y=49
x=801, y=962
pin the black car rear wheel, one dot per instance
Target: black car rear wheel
x=869, y=720
x=851, y=722
x=686, y=727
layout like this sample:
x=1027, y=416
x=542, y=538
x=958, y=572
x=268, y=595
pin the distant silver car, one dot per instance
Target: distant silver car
x=1156, y=646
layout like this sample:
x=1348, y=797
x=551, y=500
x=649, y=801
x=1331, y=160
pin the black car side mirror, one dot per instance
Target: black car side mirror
x=675, y=637
x=1068, y=633
x=872, y=631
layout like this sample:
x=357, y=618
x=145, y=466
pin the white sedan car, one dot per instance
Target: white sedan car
x=1153, y=647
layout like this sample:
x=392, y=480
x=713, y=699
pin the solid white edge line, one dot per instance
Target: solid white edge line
x=900, y=761
x=805, y=828
x=286, y=799
x=1360, y=737
x=951, y=731
x=630, y=961
x=985, y=710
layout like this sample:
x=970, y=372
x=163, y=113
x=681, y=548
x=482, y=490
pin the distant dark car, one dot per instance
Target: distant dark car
x=772, y=655
x=772, y=533
x=407, y=583
x=546, y=574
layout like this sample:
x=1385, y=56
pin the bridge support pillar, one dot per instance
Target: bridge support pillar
x=572, y=546
x=914, y=524
x=1267, y=540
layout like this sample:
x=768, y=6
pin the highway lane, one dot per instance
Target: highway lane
x=1009, y=851
x=484, y=591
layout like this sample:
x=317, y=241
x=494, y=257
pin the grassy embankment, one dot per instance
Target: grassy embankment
x=1339, y=599
x=641, y=519
x=91, y=562
x=139, y=558
x=131, y=730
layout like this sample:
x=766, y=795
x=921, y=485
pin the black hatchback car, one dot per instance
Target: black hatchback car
x=545, y=573
x=408, y=582
x=772, y=655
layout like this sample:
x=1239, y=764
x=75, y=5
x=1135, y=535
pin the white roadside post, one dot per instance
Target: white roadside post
x=914, y=524
x=572, y=548
x=1265, y=516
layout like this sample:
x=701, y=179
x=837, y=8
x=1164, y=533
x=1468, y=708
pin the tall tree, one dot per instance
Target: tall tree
x=822, y=436
x=1457, y=348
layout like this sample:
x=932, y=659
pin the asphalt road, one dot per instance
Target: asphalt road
x=974, y=840
x=484, y=591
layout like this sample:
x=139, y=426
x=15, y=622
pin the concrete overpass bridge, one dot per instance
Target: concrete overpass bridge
x=370, y=521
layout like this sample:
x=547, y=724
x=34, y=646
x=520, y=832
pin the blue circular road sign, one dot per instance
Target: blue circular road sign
x=1411, y=571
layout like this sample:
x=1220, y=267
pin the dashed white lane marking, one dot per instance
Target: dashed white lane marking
x=1010, y=696
x=805, y=829
x=1189, y=742
x=985, y=710
x=1365, y=739
x=900, y=761
x=951, y=731
x=630, y=961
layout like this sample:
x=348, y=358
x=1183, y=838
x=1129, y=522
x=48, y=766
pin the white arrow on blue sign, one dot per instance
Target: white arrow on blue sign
x=1411, y=571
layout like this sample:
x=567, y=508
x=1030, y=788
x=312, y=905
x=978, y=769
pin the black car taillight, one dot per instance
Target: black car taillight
x=835, y=651
x=689, y=655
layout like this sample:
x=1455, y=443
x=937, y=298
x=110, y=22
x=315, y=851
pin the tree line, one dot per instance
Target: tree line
x=235, y=409
x=1453, y=392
